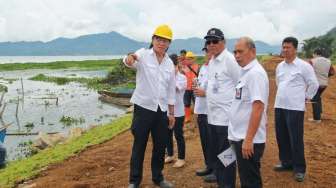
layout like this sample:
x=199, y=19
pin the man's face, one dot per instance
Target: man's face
x=243, y=54
x=288, y=50
x=215, y=46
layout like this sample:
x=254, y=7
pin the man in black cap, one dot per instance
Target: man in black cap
x=223, y=75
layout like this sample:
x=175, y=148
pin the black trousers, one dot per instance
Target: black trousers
x=289, y=134
x=226, y=176
x=188, y=97
x=145, y=122
x=317, y=103
x=178, y=133
x=202, y=121
x=249, y=169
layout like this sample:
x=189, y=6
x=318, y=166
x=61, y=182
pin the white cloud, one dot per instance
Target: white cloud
x=266, y=20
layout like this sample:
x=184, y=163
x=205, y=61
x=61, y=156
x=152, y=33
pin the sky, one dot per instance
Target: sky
x=266, y=20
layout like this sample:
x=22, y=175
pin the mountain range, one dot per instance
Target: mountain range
x=112, y=43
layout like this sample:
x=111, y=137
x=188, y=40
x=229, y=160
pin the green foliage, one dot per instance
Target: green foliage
x=3, y=88
x=85, y=65
x=120, y=74
x=68, y=121
x=24, y=169
x=326, y=42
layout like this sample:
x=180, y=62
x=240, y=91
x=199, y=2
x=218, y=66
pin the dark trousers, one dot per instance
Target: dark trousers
x=317, y=103
x=249, y=169
x=178, y=133
x=188, y=97
x=289, y=134
x=145, y=122
x=202, y=121
x=226, y=176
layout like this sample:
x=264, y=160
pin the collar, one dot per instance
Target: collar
x=151, y=52
x=294, y=61
x=250, y=65
x=221, y=56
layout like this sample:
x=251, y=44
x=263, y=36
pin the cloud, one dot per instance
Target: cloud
x=266, y=20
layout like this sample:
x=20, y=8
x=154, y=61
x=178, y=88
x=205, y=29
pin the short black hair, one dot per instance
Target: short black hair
x=294, y=41
x=318, y=51
x=183, y=51
x=174, y=57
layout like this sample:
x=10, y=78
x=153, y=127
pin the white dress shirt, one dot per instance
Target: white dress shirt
x=223, y=74
x=155, y=83
x=200, y=102
x=253, y=85
x=296, y=82
x=181, y=85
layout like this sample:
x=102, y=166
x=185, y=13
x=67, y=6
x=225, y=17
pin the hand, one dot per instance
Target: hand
x=131, y=58
x=199, y=92
x=247, y=149
x=171, y=119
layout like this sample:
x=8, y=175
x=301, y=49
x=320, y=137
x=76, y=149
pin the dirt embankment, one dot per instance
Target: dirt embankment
x=107, y=165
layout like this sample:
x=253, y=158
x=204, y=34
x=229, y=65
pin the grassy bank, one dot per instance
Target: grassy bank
x=19, y=171
x=91, y=83
x=85, y=65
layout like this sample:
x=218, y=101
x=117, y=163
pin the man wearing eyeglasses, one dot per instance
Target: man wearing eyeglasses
x=223, y=75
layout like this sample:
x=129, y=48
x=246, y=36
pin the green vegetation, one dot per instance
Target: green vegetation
x=3, y=88
x=326, y=42
x=18, y=171
x=68, y=121
x=84, y=65
x=119, y=76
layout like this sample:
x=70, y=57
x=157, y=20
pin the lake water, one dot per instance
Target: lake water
x=47, y=59
x=74, y=100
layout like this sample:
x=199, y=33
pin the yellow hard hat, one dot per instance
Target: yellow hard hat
x=164, y=31
x=190, y=54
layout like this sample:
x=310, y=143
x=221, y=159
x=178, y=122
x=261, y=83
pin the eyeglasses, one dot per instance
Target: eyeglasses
x=162, y=40
x=208, y=42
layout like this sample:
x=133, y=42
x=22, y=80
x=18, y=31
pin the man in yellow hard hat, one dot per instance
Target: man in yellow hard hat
x=153, y=96
x=190, y=69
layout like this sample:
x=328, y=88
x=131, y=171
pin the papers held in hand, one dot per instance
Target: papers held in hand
x=227, y=157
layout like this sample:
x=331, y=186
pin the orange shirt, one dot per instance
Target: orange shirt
x=190, y=74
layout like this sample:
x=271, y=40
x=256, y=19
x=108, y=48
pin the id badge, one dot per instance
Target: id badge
x=238, y=93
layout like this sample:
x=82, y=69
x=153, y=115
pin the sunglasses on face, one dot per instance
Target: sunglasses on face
x=208, y=42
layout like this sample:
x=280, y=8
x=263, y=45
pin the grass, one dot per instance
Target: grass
x=85, y=65
x=18, y=171
x=91, y=83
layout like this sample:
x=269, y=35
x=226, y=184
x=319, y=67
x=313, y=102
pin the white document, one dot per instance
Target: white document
x=227, y=157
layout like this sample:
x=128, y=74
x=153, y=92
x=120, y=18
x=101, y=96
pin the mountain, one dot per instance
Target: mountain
x=111, y=43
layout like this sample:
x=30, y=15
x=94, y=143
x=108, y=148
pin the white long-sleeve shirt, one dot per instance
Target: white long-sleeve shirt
x=223, y=74
x=201, y=102
x=296, y=82
x=155, y=83
x=181, y=86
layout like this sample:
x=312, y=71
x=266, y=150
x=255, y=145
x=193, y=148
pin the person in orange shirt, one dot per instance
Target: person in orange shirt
x=190, y=69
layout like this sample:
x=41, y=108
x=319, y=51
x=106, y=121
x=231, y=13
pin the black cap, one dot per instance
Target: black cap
x=214, y=33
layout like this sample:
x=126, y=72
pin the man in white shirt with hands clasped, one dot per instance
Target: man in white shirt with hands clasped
x=153, y=95
x=297, y=83
x=247, y=129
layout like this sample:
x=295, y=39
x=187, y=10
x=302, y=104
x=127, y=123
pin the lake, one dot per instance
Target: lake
x=38, y=111
x=47, y=59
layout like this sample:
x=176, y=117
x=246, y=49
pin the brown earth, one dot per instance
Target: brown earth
x=107, y=164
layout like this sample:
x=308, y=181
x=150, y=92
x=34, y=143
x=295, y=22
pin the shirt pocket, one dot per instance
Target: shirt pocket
x=295, y=79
